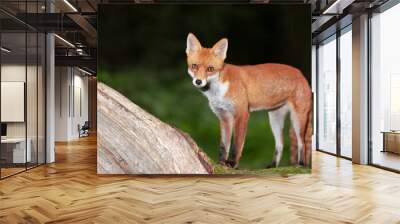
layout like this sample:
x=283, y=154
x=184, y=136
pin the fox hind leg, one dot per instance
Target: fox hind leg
x=299, y=119
x=277, y=122
x=293, y=146
x=240, y=131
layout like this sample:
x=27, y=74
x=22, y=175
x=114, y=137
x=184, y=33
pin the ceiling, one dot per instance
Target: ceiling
x=76, y=20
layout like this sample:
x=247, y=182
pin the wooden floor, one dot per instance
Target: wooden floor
x=386, y=159
x=11, y=170
x=69, y=191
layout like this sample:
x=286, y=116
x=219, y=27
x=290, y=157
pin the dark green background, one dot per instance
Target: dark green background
x=142, y=55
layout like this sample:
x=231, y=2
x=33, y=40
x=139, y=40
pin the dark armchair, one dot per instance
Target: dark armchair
x=84, y=129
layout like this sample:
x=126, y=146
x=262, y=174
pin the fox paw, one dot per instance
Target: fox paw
x=271, y=165
x=232, y=164
x=229, y=163
x=222, y=163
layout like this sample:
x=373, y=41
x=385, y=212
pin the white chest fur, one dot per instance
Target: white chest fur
x=216, y=96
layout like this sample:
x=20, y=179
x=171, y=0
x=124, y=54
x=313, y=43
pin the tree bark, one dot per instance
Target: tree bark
x=132, y=141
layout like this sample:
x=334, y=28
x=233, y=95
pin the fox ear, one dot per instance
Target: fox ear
x=220, y=48
x=192, y=44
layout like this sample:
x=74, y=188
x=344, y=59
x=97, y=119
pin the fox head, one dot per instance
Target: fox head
x=204, y=64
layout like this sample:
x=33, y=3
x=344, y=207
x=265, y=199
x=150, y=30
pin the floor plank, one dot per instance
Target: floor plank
x=70, y=191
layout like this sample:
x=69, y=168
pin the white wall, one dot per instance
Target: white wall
x=12, y=73
x=16, y=73
x=71, y=102
x=62, y=81
x=80, y=97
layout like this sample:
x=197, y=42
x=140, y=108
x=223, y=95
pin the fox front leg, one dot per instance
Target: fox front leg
x=226, y=126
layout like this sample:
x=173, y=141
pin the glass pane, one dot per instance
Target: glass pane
x=31, y=100
x=13, y=89
x=41, y=98
x=327, y=96
x=385, y=84
x=346, y=94
x=314, y=89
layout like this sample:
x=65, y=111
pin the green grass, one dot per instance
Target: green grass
x=284, y=171
x=170, y=96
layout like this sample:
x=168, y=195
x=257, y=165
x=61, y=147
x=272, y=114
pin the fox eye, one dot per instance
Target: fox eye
x=210, y=69
x=195, y=66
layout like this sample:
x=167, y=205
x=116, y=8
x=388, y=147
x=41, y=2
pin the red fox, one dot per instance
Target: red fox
x=234, y=91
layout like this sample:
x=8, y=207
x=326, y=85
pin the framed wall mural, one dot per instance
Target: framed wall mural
x=204, y=89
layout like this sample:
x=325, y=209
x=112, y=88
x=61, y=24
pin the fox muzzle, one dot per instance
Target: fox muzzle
x=199, y=83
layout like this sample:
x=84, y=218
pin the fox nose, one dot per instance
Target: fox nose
x=198, y=82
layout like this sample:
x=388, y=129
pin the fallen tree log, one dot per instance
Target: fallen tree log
x=132, y=141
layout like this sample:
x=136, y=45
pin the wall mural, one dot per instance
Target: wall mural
x=204, y=89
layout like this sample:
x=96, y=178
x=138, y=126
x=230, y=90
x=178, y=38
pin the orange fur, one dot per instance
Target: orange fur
x=251, y=87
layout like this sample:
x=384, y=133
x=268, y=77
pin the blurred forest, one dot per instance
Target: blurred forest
x=142, y=55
